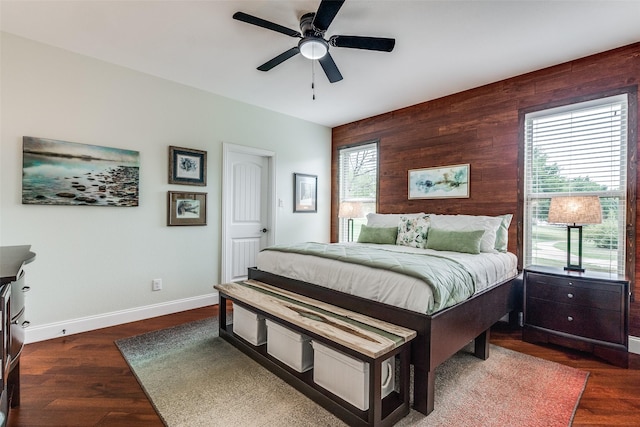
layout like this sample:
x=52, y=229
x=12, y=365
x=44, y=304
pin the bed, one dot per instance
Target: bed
x=383, y=276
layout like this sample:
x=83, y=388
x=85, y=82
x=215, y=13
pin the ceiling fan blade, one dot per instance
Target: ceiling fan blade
x=279, y=59
x=249, y=19
x=327, y=10
x=360, y=42
x=330, y=68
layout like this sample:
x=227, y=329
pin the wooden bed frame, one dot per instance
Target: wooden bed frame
x=440, y=335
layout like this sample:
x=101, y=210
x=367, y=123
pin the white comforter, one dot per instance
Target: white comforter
x=487, y=269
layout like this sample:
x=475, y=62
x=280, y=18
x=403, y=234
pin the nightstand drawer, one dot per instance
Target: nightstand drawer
x=602, y=325
x=591, y=294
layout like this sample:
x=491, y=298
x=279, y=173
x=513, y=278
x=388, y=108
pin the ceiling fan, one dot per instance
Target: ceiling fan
x=312, y=44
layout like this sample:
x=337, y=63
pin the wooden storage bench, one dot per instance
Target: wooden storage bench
x=361, y=337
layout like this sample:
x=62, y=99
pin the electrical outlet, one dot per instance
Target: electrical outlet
x=156, y=284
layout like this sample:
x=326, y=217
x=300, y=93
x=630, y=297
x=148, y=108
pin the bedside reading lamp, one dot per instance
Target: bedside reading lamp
x=575, y=210
x=350, y=210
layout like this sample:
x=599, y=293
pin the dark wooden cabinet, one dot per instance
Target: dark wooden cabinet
x=5, y=327
x=586, y=311
x=12, y=289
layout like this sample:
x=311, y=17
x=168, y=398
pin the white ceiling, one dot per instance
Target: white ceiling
x=442, y=47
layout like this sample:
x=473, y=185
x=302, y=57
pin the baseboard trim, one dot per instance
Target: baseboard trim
x=634, y=344
x=90, y=323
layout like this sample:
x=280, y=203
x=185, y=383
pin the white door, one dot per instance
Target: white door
x=247, y=209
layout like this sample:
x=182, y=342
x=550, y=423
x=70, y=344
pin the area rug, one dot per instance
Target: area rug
x=196, y=379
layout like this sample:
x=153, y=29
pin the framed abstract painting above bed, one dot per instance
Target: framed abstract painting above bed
x=403, y=284
x=439, y=182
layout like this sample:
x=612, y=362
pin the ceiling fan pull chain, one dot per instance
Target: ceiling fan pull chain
x=313, y=81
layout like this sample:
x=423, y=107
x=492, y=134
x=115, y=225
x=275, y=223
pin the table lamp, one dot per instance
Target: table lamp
x=575, y=210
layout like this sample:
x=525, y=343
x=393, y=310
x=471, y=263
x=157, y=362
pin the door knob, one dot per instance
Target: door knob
x=264, y=230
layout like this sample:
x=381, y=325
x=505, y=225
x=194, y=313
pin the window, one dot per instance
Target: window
x=579, y=149
x=358, y=186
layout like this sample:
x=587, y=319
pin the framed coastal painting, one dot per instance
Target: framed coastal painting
x=187, y=166
x=439, y=182
x=186, y=208
x=69, y=173
x=305, y=193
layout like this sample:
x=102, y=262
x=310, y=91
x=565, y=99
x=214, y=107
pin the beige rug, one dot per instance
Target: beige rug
x=194, y=378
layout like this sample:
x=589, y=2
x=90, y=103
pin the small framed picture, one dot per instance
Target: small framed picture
x=439, y=182
x=187, y=166
x=186, y=208
x=305, y=193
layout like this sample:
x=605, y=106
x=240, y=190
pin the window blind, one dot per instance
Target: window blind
x=358, y=183
x=577, y=149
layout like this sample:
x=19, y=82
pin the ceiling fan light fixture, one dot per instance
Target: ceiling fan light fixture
x=313, y=48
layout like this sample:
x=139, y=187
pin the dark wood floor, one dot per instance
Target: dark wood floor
x=82, y=380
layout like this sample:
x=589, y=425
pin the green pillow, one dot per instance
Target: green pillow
x=455, y=241
x=380, y=235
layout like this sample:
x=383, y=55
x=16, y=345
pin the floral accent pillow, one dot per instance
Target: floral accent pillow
x=412, y=232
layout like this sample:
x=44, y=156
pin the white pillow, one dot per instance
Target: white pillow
x=388, y=220
x=489, y=224
x=502, y=236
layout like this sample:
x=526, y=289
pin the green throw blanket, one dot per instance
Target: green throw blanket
x=449, y=280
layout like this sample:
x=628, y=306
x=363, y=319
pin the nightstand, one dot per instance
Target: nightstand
x=585, y=311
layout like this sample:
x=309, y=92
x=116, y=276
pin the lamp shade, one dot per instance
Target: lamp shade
x=575, y=210
x=350, y=210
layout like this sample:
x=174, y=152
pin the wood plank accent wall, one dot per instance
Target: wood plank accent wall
x=480, y=127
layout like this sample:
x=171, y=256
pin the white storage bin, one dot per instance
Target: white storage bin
x=249, y=325
x=290, y=347
x=348, y=377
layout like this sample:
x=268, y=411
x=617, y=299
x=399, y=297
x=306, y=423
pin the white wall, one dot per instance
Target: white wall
x=94, y=265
